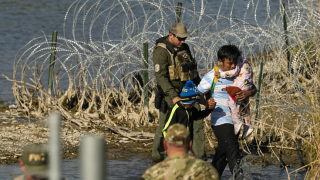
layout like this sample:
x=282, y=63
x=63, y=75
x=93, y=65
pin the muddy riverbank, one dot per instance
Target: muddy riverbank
x=17, y=131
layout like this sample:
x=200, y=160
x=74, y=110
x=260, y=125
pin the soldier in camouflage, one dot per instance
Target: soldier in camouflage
x=174, y=66
x=34, y=162
x=180, y=164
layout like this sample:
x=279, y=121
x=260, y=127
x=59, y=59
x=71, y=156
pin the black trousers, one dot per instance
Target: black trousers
x=228, y=148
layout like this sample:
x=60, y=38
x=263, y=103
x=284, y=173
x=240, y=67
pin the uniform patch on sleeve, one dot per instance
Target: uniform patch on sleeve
x=156, y=68
x=185, y=55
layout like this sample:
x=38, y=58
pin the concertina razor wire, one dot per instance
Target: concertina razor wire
x=100, y=50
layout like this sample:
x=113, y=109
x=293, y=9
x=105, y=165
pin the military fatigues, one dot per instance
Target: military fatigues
x=171, y=83
x=181, y=166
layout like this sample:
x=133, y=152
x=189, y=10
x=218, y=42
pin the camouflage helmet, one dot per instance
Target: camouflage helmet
x=177, y=134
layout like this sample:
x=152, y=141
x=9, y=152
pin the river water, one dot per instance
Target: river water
x=20, y=21
x=134, y=168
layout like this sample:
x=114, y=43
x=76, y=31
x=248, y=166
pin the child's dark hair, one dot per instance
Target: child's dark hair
x=230, y=52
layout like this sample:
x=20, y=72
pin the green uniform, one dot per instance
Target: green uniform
x=162, y=60
x=181, y=166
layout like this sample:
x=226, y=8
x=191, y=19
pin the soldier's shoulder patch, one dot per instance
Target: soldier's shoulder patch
x=156, y=68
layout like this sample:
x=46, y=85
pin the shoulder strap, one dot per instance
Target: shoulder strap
x=215, y=79
x=163, y=45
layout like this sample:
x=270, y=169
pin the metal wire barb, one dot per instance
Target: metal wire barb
x=99, y=55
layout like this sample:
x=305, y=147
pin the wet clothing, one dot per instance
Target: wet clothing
x=228, y=148
x=181, y=166
x=222, y=123
x=182, y=115
x=172, y=88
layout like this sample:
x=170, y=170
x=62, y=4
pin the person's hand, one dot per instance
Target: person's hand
x=176, y=99
x=217, y=74
x=242, y=95
x=211, y=103
x=202, y=100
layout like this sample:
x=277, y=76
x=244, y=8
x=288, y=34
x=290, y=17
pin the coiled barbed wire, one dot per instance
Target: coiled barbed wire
x=102, y=44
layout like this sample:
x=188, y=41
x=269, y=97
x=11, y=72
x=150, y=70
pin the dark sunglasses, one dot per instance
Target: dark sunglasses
x=179, y=38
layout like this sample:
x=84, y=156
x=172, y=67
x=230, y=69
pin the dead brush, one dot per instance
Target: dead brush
x=95, y=82
x=289, y=107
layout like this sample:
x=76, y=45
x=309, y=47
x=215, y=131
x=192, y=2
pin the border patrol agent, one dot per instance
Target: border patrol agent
x=173, y=66
x=180, y=164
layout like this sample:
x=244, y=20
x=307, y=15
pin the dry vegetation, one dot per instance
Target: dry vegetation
x=104, y=88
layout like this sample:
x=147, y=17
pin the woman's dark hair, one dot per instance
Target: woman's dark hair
x=230, y=52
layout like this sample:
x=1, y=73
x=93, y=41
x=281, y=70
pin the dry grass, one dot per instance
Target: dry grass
x=101, y=87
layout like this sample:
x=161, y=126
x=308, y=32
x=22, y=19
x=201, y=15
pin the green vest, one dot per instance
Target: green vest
x=183, y=67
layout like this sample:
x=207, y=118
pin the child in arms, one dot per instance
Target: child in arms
x=240, y=109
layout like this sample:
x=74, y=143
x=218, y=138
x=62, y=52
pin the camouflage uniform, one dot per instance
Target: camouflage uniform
x=35, y=160
x=172, y=88
x=180, y=166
